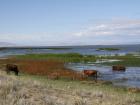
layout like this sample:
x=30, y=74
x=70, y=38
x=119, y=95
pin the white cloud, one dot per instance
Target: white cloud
x=111, y=28
x=113, y=32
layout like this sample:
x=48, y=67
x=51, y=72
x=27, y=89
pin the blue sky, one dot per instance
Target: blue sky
x=70, y=22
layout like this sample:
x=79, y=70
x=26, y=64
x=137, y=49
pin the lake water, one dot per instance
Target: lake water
x=124, y=49
x=131, y=77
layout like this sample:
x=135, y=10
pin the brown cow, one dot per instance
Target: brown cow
x=53, y=76
x=12, y=67
x=91, y=73
x=118, y=68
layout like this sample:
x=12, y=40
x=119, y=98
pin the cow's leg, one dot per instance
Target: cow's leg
x=16, y=73
x=96, y=77
x=8, y=71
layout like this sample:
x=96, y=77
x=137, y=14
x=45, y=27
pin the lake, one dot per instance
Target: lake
x=90, y=50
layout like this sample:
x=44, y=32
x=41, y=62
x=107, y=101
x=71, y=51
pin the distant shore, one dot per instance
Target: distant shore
x=107, y=49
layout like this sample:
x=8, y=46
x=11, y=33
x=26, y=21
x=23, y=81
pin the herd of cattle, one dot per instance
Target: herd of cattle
x=88, y=73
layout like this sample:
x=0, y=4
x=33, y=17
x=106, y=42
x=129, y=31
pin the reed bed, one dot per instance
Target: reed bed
x=53, y=69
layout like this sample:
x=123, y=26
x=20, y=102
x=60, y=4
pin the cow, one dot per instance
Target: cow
x=118, y=68
x=53, y=76
x=13, y=68
x=90, y=73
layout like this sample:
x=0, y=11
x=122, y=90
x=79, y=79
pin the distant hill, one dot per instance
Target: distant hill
x=6, y=44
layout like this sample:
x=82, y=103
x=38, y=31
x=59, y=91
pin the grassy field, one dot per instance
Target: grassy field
x=39, y=90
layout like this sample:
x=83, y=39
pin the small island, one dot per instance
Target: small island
x=107, y=49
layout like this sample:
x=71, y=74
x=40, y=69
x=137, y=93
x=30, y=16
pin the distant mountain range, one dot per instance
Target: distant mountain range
x=6, y=44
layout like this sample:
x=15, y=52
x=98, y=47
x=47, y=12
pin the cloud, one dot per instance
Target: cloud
x=113, y=32
x=129, y=27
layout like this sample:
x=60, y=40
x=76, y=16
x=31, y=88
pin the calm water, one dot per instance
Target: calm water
x=124, y=49
x=131, y=77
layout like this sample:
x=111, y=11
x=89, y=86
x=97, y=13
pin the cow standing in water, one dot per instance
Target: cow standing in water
x=118, y=68
x=13, y=68
x=91, y=73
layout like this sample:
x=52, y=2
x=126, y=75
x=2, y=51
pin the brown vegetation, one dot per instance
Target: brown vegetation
x=53, y=69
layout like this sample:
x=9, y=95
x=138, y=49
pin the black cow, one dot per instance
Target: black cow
x=118, y=68
x=13, y=68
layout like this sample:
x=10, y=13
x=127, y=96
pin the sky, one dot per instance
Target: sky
x=69, y=22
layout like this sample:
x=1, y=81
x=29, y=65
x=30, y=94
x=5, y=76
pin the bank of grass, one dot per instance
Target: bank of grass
x=66, y=57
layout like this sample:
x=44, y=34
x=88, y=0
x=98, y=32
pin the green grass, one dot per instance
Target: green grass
x=127, y=60
x=67, y=57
